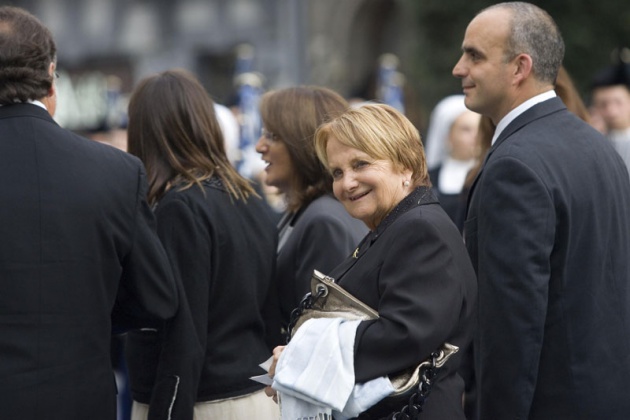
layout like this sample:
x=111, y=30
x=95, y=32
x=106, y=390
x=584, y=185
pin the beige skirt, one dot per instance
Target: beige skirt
x=251, y=406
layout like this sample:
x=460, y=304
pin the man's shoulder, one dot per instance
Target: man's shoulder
x=60, y=143
x=103, y=155
x=551, y=127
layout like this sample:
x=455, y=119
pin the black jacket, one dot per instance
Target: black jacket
x=548, y=232
x=77, y=242
x=322, y=235
x=414, y=270
x=223, y=254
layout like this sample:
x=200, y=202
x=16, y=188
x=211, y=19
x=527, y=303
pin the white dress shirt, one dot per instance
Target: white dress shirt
x=511, y=116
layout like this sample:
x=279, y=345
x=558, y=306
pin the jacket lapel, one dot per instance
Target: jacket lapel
x=420, y=196
x=537, y=111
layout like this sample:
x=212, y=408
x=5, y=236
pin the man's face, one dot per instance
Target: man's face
x=485, y=74
x=612, y=103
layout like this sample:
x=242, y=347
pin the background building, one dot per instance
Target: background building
x=105, y=46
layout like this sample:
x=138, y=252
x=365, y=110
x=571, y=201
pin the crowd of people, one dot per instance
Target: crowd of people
x=508, y=242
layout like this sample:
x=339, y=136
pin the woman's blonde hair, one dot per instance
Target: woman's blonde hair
x=380, y=131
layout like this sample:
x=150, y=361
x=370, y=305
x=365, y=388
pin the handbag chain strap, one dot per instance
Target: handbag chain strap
x=412, y=410
x=306, y=303
x=428, y=372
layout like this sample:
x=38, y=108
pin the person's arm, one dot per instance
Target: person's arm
x=147, y=292
x=183, y=339
x=421, y=296
x=515, y=229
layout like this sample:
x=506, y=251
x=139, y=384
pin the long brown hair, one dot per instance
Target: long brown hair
x=570, y=95
x=174, y=131
x=293, y=114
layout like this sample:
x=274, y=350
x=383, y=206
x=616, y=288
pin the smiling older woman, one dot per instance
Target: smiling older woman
x=412, y=267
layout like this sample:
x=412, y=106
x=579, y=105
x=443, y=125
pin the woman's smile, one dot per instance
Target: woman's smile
x=369, y=188
x=358, y=196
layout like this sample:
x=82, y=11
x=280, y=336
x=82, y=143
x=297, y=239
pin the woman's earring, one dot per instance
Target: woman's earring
x=406, y=183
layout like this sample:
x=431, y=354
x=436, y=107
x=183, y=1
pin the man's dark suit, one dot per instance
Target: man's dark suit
x=548, y=232
x=75, y=233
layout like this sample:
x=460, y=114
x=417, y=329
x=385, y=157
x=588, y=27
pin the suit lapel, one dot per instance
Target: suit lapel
x=420, y=196
x=539, y=110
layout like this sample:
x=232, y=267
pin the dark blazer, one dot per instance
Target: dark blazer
x=223, y=252
x=414, y=270
x=322, y=235
x=75, y=231
x=548, y=232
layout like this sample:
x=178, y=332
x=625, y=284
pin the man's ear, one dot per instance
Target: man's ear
x=53, y=87
x=50, y=100
x=523, y=67
x=52, y=92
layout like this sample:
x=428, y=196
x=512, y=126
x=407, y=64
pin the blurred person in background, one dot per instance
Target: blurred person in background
x=315, y=231
x=221, y=244
x=79, y=256
x=455, y=126
x=610, y=98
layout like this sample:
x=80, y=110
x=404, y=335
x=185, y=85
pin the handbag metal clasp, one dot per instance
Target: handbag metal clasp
x=322, y=291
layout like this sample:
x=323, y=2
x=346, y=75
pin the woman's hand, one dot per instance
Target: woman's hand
x=272, y=371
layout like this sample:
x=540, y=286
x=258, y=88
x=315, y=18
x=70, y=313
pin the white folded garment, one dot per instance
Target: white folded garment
x=315, y=373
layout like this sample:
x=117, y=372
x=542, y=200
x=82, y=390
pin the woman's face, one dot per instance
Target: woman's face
x=368, y=188
x=280, y=171
x=463, y=136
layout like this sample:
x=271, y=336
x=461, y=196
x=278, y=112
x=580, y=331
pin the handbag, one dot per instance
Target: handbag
x=329, y=300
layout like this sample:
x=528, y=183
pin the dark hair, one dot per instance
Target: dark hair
x=293, y=114
x=174, y=131
x=26, y=51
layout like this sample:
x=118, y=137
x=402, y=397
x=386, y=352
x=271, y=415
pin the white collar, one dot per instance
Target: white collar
x=511, y=116
x=38, y=103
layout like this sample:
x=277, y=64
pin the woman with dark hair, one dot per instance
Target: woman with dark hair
x=221, y=245
x=315, y=232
